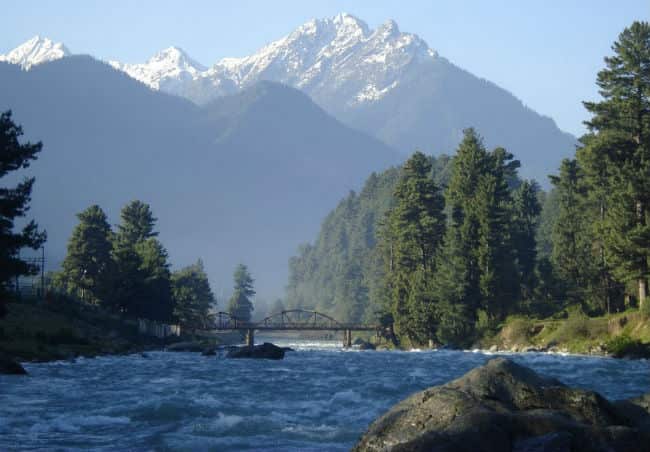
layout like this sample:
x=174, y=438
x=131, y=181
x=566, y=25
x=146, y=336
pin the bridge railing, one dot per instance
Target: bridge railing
x=289, y=319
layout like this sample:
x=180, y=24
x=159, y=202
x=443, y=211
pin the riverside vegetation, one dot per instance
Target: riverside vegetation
x=460, y=250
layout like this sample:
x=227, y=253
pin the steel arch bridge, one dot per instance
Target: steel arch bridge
x=291, y=320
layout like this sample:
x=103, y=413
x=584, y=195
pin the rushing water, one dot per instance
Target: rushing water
x=318, y=398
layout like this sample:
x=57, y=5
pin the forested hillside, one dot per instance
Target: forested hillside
x=448, y=258
x=341, y=272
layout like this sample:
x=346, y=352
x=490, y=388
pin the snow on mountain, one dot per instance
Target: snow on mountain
x=35, y=51
x=338, y=61
x=381, y=81
x=165, y=70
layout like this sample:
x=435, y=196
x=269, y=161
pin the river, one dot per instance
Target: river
x=319, y=397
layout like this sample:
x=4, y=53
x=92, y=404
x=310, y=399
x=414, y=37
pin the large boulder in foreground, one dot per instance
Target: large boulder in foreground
x=503, y=406
x=262, y=351
x=8, y=366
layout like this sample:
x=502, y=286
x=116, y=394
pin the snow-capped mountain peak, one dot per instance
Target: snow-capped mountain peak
x=339, y=61
x=177, y=57
x=348, y=24
x=165, y=69
x=37, y=50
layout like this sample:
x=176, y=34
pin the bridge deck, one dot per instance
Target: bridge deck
x=289, y=320
x=298, y=328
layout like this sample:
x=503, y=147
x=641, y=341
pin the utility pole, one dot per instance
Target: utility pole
x=43, y=272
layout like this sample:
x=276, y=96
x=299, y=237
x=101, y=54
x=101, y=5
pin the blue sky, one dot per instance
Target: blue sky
x=545, y=52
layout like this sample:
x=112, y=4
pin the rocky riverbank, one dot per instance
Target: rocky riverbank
x=621, y=335
x=503, y=406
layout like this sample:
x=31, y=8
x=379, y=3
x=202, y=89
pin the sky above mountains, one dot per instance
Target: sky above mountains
x=546, y=53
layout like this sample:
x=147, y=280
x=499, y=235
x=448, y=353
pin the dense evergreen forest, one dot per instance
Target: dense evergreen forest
x=447, y=248
x=128, y=271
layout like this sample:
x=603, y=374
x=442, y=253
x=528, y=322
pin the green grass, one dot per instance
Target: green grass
x=621, y=334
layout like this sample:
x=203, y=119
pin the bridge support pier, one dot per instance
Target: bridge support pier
x=347, y=338
x=250, y=337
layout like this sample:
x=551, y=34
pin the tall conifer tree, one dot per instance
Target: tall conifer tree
x=240, y=305
x=193, y=297
x=88, y=266
x=143, y=283
x=414, y=229
x=14, y=203
x=620, y=126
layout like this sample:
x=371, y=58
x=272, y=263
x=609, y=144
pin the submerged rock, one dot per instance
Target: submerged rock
x=503, y=406
x=209, y=352
x=263, y=351
x=9, y=366
x=366, y=346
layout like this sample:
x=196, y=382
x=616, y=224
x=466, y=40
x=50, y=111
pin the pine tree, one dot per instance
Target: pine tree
x=137, y=224
x=142, y=287
x=240, y=305
x=495, y=252
x=193, y=297
x=14, y=203
x=621, y=122
x=525, y=220
x=599, y=213
x=87, y=269
x=456, y=310
x=156, y=300
x=469, y=164
x=413, y=231
x=571, y=237
x=477, y=272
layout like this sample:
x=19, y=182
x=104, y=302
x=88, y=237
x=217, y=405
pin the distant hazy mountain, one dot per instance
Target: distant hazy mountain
x=245, y=178
x=385, y=82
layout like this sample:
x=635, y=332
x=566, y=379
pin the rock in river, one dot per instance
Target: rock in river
x=503, y=406
x=264, y=351
x=10, y=367
x=187, y=346
x=367, y=346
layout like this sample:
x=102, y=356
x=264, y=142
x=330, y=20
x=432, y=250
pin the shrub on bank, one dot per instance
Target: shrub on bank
x=624, y=346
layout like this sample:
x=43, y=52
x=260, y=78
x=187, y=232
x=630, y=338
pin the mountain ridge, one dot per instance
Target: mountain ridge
x=385, y=82
x=226, y=197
